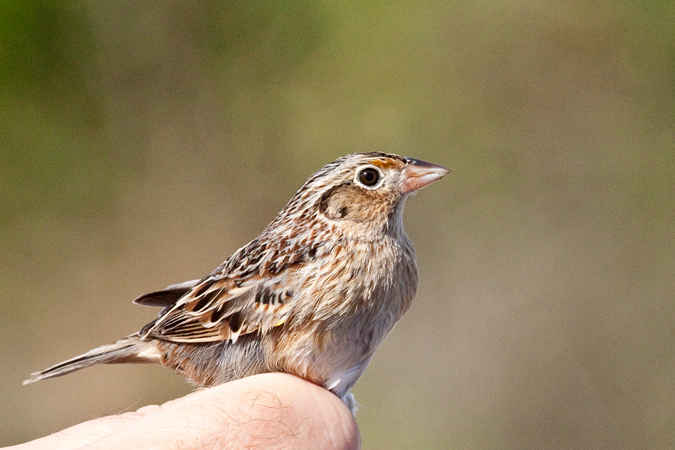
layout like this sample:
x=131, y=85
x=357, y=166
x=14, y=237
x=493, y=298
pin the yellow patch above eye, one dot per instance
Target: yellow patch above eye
x=382, y=163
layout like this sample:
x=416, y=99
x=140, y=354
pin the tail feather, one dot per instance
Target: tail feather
x=127, y=350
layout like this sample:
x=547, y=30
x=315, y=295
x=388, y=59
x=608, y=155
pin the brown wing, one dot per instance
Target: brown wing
x=167, y=296
x=220, y=309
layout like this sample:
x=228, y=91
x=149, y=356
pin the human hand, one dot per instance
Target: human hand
x=270, y=411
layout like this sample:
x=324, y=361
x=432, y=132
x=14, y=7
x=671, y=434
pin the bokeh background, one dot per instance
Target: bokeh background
x=141, y=143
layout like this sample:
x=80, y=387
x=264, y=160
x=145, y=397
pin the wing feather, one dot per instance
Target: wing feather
x=222, y=309
x=167, y=296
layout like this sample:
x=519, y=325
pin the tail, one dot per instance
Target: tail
x=128, y=350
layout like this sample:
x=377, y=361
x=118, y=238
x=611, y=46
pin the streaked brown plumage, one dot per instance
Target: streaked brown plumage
x=314, y=295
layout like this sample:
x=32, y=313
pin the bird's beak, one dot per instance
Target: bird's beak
x=418, y=174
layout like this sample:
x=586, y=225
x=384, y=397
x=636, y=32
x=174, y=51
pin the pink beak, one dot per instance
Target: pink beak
x=418, y=174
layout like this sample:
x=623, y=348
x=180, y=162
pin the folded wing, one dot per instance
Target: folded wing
x=217, y=309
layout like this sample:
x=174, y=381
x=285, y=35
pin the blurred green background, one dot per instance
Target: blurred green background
x=141, y=143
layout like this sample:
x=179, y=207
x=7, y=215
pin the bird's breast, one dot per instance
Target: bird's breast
x=347, y=302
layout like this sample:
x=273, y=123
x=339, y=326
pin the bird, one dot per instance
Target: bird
x=314, y=295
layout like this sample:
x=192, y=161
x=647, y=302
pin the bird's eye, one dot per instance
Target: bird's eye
x=369, y=177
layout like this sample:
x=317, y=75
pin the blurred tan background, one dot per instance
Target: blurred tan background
x=141, y=143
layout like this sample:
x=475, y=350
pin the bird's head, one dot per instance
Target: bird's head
x=362, y=193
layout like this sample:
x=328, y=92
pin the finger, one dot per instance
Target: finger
x=265, y=411
x=81, y=434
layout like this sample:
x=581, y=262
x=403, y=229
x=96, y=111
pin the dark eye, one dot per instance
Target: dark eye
x=369, y=177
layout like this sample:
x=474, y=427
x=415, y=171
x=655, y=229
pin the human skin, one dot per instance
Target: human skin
x=270, y=411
